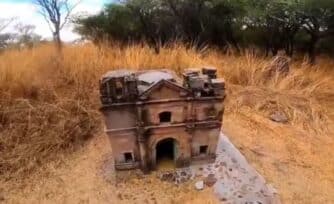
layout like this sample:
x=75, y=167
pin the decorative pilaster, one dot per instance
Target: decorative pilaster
x=141, y=139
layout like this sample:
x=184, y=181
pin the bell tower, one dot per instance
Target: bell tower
x=118, y=86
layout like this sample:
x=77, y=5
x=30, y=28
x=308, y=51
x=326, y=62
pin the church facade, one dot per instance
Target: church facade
x=152, y=114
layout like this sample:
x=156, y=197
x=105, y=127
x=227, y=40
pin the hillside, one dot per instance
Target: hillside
x=52, y=146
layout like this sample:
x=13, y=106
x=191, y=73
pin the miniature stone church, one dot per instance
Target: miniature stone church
x=152, y=114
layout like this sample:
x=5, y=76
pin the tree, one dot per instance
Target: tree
x=56, y=13
x=318, y=16
x=21, y=36
x=269, y=24
x=26, y=37
x=148, y=12
x=161, y=21
x=278, y=21
x=5, y=22
x=5, y=38
x=115, y=23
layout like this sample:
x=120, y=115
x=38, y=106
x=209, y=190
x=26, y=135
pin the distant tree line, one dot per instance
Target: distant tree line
x=21, y=35
x=56, y=13
x=273, y=25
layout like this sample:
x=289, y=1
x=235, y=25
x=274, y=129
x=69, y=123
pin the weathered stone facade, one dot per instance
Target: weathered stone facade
x=148, y=112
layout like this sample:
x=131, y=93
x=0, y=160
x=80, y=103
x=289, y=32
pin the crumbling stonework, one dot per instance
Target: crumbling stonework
x=149, y=113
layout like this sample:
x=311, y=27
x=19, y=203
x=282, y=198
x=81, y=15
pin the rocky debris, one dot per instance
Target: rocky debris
x=183, y=173
x=199, y=185
x=210, y=180
x=167, y=176
x=223, y=199
x=279, y=116
x=177, y=176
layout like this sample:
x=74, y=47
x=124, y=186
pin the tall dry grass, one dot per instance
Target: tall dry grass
x=49, y=102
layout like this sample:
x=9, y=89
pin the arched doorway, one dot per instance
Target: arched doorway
x=165, y=153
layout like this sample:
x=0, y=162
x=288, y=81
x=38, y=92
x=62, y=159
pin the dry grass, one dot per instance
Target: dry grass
x=49, y=103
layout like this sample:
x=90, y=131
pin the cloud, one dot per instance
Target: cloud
x=26, y=13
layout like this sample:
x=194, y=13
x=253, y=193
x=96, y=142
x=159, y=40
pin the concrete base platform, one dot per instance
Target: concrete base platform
x=237, y=181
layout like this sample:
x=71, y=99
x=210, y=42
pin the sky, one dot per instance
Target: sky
x=24, y=11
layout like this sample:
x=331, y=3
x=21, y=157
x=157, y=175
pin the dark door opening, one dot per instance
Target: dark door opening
x=165, y=151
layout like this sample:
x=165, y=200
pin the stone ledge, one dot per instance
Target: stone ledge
x=127, y=166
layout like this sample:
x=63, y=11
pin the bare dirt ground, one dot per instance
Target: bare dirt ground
x=300, y=167
x=85, y=178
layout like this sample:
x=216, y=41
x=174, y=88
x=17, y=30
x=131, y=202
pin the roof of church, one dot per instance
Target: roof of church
x=145, y=79
x=148, y=79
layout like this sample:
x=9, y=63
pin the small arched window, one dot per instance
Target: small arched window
x=165, y=117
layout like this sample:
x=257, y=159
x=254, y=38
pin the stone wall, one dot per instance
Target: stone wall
x=122, y=143
x=120, y=117
x=177, y=109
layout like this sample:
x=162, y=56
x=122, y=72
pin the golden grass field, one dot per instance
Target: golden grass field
x=51, y=133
